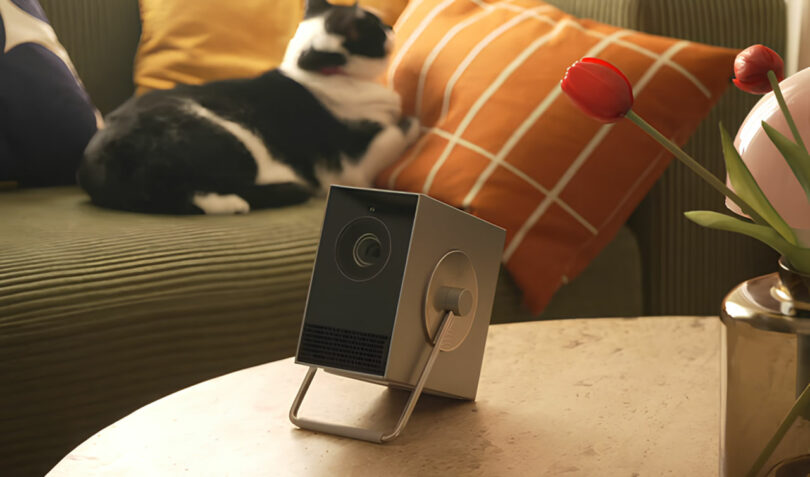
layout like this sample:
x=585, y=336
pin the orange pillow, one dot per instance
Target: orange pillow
x=196, y=41
x=503, y=143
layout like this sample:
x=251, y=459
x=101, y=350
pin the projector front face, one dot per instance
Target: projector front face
x=356, y=281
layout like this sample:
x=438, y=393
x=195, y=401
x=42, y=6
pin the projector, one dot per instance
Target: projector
x=401, y=295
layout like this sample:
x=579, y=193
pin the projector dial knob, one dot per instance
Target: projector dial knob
x=453, y=286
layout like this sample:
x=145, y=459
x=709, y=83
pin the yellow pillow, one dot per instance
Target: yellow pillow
x=192, y=42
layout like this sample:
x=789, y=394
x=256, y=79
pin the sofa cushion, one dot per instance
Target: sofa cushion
x=219, y=40
x=102, y=312
x=46, y=118
x=503, y=143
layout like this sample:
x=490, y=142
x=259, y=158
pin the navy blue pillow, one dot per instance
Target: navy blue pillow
x=46, y=117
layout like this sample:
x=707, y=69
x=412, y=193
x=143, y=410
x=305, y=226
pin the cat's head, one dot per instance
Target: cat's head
x=339, y=39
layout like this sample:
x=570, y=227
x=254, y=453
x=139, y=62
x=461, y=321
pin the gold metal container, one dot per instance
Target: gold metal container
x=767, y=365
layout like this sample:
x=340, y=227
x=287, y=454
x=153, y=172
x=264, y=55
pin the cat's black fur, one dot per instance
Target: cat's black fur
x=156, y=155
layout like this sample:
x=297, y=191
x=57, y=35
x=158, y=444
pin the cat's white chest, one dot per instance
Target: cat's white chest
x=353, y=99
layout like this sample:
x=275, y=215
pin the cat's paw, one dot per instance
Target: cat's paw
x=411, y=129
x=212, y=203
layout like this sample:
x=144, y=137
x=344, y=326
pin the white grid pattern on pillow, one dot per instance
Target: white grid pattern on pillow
x=497, y=159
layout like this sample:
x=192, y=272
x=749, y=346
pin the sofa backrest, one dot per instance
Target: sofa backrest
x=102, y=36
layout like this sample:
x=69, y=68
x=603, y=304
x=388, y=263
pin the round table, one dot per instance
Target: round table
x=574, y=397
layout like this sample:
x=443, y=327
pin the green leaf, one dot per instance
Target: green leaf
x=798, y=257
x=747, y=188
x=797, y=158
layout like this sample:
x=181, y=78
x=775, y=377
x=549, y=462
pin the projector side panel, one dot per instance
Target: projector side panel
x=439, y=229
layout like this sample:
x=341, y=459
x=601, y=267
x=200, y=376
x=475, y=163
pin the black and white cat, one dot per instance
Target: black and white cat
x=230, y=146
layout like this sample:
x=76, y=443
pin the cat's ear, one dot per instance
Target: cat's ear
x=316, y=7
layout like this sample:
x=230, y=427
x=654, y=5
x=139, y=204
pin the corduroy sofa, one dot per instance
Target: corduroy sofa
x=102, y=312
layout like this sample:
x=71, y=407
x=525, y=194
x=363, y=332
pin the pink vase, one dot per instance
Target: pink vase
x=766, y=163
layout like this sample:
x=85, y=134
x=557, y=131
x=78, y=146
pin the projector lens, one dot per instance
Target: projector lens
x=363, y=248
x=367, y=250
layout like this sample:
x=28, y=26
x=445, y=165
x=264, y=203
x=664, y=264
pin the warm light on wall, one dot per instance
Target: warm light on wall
x=798, y=40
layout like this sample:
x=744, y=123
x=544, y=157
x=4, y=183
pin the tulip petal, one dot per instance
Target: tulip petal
x=599, y=89
x=797, y=158
x=747, y=188
x=798, y=257
x=751, y=67
x=753, y=88
x=619, y=72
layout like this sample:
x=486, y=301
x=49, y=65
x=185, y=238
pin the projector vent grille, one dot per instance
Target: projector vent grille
x=343, y=349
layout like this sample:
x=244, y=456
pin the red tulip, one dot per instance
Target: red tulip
x=751, y=69
x=599, y=89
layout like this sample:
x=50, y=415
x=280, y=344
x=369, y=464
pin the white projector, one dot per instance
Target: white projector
x=401, y=294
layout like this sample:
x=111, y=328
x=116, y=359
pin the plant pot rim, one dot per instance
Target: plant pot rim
x=753, y=302
x=785, y=266
x=793, y=289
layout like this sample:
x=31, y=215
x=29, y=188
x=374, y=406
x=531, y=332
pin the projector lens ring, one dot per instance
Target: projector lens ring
x=367, y=250
x=363, y=248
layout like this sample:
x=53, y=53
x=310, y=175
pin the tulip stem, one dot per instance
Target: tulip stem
x=694, y=165
x=777, y=91
x=800, y=407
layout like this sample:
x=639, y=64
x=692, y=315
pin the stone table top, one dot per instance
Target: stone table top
x=607, y=396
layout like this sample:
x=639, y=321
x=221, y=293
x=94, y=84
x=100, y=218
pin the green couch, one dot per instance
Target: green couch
x=102, y=312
